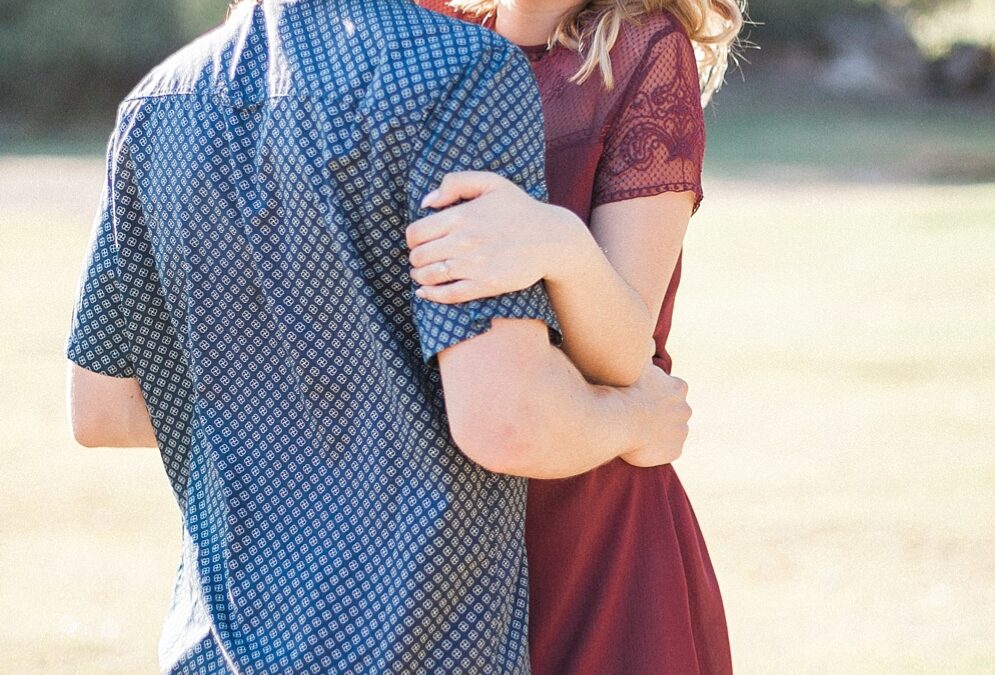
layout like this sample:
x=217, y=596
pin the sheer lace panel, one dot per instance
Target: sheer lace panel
x=649, y=129
x=655, y=136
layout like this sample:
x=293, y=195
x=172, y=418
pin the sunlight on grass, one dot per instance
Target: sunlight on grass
x=840, y=345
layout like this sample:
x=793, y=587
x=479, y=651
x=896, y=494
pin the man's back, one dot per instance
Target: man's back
x=250, y=269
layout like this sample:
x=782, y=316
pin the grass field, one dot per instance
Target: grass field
x=838, y=334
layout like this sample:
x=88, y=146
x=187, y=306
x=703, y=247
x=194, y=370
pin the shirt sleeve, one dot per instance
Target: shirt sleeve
x=655, y=141
x=97, y=337
x=492, y=121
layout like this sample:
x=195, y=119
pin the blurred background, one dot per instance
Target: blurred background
x=836, y=324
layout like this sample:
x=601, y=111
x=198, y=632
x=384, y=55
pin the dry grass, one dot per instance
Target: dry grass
x=840, y=345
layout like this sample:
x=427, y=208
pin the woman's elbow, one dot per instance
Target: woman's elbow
x=626, y=374
x=622, y=368
x=621, y=372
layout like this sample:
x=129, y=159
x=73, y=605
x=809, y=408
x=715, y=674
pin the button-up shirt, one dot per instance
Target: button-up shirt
x=249, y=268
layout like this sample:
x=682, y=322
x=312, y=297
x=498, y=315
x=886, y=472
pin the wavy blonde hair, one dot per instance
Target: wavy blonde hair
x=592, y=29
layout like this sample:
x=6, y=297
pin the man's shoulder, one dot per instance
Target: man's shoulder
x=187, y=71
x=425, y=20
x=421, y=57
x=466, y=51
x=406, y=37
x=441, y=46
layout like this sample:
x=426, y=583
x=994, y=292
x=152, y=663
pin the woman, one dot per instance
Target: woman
x=620, y=578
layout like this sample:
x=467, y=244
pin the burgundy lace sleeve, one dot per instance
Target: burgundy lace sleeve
x=655, y=138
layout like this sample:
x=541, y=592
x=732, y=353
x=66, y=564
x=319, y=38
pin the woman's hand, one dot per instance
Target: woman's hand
x=665, y=418
x=498, y=240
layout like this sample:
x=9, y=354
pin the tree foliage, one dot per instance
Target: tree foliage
x=64, y=60
x=779, y=22
x=62, y=57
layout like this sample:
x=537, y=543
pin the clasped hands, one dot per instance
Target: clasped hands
x=487, y=237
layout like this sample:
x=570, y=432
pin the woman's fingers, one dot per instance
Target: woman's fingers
x=441, y=272
x=462, y=186
x=429, y=228
x=435, y=251
x=458, y=291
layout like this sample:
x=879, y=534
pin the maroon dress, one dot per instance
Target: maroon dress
x=620, y=579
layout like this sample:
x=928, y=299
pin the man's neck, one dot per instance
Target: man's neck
x=530, y=22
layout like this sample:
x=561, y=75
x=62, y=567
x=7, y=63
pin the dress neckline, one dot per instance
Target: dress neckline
x=533, y=52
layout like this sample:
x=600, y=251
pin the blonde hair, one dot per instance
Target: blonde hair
x=592, y=29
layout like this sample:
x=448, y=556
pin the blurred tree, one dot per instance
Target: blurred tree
x=200, y=15
x=939, y=26
x=922, y=5
x=62, y=61
x=799, y=22
x=68, y=62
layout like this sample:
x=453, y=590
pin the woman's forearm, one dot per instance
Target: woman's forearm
x=499, y=239
x=607, y=327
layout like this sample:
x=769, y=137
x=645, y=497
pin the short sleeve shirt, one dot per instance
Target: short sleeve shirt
x=249, y=268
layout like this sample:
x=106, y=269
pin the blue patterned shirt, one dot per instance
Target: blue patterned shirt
x=249, y=267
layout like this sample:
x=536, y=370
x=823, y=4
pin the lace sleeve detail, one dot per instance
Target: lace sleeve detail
x=655, y=140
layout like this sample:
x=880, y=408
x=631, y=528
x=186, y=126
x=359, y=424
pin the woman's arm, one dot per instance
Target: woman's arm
x=606, y=284
x=609, y=305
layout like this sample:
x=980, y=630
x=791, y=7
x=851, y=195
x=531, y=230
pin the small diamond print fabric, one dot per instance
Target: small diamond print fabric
x=249, y=267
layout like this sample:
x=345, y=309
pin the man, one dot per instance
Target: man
x=348, y=458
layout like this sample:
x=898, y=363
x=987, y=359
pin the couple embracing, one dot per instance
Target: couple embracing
x=389, y=287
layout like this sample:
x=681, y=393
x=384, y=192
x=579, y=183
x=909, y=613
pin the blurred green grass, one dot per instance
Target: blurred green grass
x=783, y=127
x=769, y=125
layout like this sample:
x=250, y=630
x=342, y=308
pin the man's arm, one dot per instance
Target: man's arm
x=515, y=402
x=517, y=405
x=107, y=411
x=105, y=403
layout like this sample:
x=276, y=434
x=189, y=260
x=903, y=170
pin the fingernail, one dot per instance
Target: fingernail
x=430, y=197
